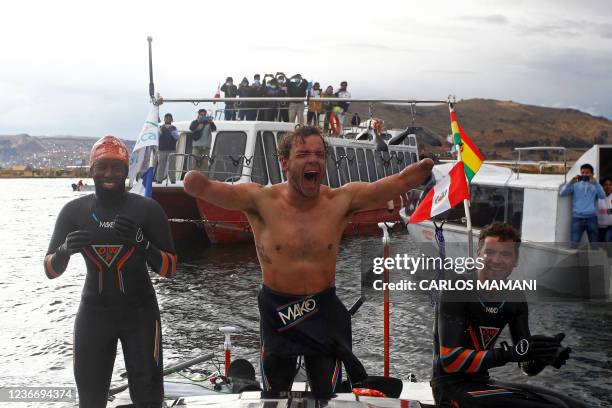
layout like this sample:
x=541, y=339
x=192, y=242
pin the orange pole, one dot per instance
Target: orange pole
x=386, y=313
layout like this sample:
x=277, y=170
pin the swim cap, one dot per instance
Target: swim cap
x=109, y=147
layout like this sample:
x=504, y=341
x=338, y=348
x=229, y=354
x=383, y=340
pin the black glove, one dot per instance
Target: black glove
x=75, y=241
x=538, y=347
x=130, y=232
x=563, y=353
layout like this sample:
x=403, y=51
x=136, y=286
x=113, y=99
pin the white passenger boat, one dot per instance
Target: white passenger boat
x=532, y=204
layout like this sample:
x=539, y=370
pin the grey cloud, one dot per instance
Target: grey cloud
x=449, y=72
x=568, y=28
x=373, y=47
x=490, y=19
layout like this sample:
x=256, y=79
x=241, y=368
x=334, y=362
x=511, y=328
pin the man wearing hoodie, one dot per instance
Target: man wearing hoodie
x=296, y=88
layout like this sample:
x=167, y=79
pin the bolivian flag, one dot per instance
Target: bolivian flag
x=470, y=155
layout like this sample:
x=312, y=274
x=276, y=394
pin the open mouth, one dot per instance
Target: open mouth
x=311, y=176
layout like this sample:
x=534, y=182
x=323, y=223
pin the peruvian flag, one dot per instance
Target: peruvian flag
x=446, y=194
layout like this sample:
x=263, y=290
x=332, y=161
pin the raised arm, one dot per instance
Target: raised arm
x=229, y=196
x=371, y=195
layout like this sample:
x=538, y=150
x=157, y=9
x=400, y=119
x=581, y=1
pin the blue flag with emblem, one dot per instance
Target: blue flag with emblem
x=142, y=159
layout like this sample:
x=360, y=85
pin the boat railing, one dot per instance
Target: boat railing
x=520, y=150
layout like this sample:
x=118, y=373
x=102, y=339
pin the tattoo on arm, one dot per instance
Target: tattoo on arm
x=262, y=254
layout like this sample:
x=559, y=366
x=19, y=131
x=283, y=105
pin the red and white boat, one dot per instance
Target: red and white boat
x=246, y=151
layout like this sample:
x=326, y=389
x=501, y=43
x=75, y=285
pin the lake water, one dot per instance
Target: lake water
x=219, y=286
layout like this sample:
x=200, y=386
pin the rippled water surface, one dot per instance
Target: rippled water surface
x=218, y=287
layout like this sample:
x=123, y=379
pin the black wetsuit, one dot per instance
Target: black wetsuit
x=118, y=300
x=466, y=328
x=316, y=326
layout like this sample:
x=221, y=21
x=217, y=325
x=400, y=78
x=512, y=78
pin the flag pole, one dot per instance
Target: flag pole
x=466, y=203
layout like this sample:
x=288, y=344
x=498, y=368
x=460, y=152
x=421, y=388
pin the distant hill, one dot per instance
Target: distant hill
x=496, y=127
x=46, y=152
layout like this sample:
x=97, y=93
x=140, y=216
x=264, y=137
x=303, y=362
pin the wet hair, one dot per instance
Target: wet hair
x=202, y=111
x=588, y=167
x=288, y=139
x=603, y=180
x=502, y=230
x=168, y=115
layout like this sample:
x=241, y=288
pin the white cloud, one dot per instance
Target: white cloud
x=81, y=67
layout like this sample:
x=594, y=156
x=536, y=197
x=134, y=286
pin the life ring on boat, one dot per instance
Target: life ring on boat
x=377, y=125
x=334, y=123
x=368, y=392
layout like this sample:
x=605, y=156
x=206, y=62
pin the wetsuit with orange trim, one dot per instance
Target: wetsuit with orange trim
x=118, y=234
x=466, y=328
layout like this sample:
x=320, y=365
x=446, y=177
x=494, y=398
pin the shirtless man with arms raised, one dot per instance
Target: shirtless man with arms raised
x=297, y=228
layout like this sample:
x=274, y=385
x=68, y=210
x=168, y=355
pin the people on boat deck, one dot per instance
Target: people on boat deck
x=585, y=192
x=468, y=323
x=283, y=110
x=296, y=88
x=201, y=136
x=166, y=165
x=229, y=91
x=257, y=91
x=297, y=228
x=118, y=234
x=314, y=107
x=244, y=91
x=343, y=106
x=271, y=90
x=604, y=212
x=328, y=107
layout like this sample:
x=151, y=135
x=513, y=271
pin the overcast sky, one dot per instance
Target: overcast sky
x=81, y=68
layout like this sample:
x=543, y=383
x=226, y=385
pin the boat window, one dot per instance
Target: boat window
x=515, y=207
x=371, y=165
x=407, y=159
x=343, y=165
x=487, y=204
x=413, y=157
x=259, y=173
x=380, y=168
x=352, y=163
x=401, y=160
x=332, y=171
x=363, y=168
x=272, y=157
x=324, y=180
x=394, y=166
x=228, y=155
x=387, y=163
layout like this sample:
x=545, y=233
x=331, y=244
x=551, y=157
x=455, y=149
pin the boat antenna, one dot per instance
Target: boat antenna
x=151, y=86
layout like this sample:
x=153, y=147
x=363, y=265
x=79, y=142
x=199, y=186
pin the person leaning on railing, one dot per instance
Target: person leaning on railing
x=201, y=129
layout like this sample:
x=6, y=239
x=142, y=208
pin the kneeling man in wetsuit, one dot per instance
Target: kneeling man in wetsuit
x=119, y=234
x=468, y=324
x=297, y=227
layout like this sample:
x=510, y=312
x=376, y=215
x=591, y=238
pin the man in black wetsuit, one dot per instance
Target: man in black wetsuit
x=468, y=324
x=118, y=234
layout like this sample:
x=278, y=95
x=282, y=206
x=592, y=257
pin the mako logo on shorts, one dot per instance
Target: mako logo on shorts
x=107, y=253
x=294, y=312
x=487, y=335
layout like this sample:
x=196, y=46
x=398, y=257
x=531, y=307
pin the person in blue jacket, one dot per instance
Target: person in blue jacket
x=585, y=191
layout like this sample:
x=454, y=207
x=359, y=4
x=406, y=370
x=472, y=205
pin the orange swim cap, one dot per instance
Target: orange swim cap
x=109, y=147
